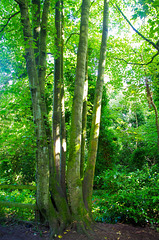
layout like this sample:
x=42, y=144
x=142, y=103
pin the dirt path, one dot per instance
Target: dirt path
x=102, y=231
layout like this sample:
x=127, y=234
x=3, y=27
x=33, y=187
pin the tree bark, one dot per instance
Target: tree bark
x=93, y=145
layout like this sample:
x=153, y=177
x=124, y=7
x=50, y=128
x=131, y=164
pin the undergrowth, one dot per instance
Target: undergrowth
x=119, y=196
x=24, y=196
x=129, y=197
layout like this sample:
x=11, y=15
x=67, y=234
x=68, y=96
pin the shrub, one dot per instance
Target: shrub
x=128, y=197
x=138, y=158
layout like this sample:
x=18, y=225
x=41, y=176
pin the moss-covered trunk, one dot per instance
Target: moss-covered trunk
x=73, y=169
x=43, y=200
x=93, y=144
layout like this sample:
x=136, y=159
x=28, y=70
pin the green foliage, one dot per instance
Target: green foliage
x=148, y=9
x=17, y=142
x=20, y=196
x=138, y=158
x=127, y=197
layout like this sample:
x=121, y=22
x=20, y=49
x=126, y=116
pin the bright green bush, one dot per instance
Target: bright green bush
x=128, y=197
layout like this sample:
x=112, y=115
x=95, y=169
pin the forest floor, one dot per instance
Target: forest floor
x=27, y=231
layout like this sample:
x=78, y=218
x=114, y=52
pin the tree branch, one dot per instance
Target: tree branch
x=71, y=36
x=49, y=74
x=18, y=1
x=5, y=25
x=140, y=64
x=143, y=37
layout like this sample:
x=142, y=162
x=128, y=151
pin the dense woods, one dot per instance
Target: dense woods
x=79, y=99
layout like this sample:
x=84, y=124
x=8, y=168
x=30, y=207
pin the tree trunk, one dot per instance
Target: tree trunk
x=57, y=89
x=73, y=169
x=63, y=134
x=63, y=125
x=84, y=121
x=36, y=28
x=43, y=201
x=93, y=145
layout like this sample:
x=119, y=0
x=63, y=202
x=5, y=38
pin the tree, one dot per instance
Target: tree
x=57, y=88
x=52, y=201
x=73, y=169
x=93, y=145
